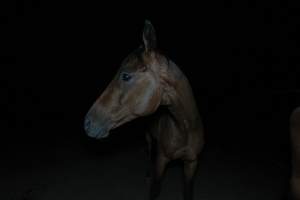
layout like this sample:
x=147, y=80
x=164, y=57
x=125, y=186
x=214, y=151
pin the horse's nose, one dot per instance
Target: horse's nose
x=87, y=124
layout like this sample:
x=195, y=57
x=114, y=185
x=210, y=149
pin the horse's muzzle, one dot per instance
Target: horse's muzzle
x=94, y=130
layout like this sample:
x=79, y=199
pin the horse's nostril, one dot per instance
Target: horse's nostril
x=87, y=124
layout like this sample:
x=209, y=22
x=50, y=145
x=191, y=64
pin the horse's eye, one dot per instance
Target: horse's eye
x=126, y=77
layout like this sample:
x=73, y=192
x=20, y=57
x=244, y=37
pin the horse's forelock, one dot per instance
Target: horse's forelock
x=133, y=60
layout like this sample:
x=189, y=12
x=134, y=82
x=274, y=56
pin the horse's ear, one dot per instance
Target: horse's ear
x=149, y=36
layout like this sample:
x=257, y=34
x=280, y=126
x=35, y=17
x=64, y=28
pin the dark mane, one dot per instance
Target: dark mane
x=160, y=52
x=136, y=54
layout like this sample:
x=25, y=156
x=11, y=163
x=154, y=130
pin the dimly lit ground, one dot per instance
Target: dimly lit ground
x=247, y=156
x=72, y=172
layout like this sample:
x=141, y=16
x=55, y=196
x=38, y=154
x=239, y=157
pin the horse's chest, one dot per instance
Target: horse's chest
x=170, y=139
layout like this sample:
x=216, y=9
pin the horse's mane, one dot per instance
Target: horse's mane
x=138, y=52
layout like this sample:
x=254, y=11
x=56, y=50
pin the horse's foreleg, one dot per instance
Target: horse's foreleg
x=160, y=166
x=295, y=191
x=149, y=155
x=189, y=176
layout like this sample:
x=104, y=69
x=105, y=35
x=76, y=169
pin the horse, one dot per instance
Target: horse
x=295, y=141
x=146, y=81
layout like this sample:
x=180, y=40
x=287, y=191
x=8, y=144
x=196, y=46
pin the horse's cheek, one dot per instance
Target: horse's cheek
x=148, y=105
x=156, y=99
x=153, y=103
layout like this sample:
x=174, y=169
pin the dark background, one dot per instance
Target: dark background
x=242, y=60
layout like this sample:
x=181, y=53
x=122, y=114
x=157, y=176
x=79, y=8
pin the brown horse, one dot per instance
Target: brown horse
x=146, y=80
x=295, y=140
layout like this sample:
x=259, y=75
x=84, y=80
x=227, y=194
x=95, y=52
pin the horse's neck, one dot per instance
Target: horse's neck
x=179, y=98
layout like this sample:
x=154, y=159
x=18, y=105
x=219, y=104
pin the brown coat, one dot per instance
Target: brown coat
x=146, y=80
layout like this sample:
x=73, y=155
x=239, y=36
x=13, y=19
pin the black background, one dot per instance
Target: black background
x=242, y=60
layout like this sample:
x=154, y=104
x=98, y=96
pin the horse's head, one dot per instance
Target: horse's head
x=135, y=90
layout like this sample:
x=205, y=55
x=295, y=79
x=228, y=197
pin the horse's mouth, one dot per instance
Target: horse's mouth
x=98, y=133
x=102, y=135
